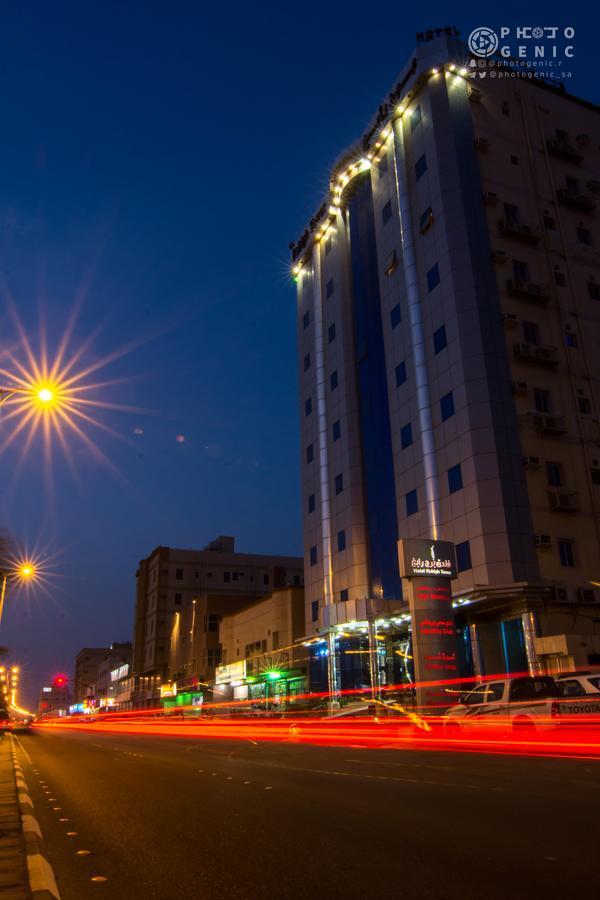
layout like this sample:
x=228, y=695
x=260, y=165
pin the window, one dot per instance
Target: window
x=559, y=278
x=420, y=167
x=339, y=483
x=391, y=263
x=310, y=453
x=511, y=214
x=571, y=688
x=571, y=339
x=400, y=374
x=306, y=320
x=213, y=656
x=328, y=245
x=554, y=474
x=331, y=333
x=565, y=552
x=495, y=692
x=333, y=380
x=314, y=610
x=463, y=556
x=594, y=290
x=455, y=481
x=520, y=270
x=297, y=580
x=344, y=595
x=584, y=236
x=307, y=362
x=514, y=160
x=531, y=332
x=426, y=220
x=433, y=278
x=275, y=640
x=542, y=400
x=412, y=503
x=266, y=578
x=227, y=577
x=595, y=475
x=177, y=599
x=211, y=622
x=395, y=316
x=329, y=288
x=549, y=223
x=386, y=212
x=308, y=407
x=341, y=541
x=415, y=117
x=336, y=429
x=179, y=574
x=447, y=406
x=439, y=339
x=406, y=437
x=572, y=184
x=313, y=556
x=585, y=406
x=311, y=503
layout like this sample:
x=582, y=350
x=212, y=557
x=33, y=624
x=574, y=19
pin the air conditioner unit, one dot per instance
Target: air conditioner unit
x=520, y=387
x=560, y=500
x=510, y=318
x=543, y=540
x=586, y=595
x=532, y=462
x=499, y=256
x=522, y=350
x=549, y=424
x=558, y=594
x=490, y=198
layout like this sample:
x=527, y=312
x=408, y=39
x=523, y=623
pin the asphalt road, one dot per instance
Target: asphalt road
x=174, y=818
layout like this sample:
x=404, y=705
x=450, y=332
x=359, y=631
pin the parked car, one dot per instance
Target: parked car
x=577, y=684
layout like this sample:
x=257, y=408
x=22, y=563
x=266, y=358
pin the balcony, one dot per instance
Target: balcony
x=525, y=233
x=581, y=202
x=528, y=290
x=547, y=424
x=561, y=501
x=563, y=150
x=537, y=353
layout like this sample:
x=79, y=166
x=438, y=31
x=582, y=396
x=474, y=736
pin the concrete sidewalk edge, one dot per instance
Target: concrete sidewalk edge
x=42, y=882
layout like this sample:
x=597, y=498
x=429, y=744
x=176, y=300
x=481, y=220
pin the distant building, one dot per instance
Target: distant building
x=91, y=661
x=55, y=698
x=448, y=304
x=117, y=663
x=181, y=598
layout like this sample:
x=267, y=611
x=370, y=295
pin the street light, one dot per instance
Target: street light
x=23, y=572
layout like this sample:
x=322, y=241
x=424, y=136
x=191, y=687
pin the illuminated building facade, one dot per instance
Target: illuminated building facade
x=448, y=306
x=182, y=596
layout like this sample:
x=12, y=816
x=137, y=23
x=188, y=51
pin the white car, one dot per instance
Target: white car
x=577, y=684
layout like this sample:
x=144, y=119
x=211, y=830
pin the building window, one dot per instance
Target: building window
x=213, y=656
x=336, y=430
x=420, y=167
x=594, y=290
x=542, y=400
x=559, y=278
x=313, y=556
x=571, y=339
x=520, y=270
x=227, y=577
x=307, y=362
x=386, y=212
x=211, y=622
x=433, y=278
x=306, y=320
x=400, y=373
x=595, y=475
x=179, y=574
x=406, y=437
x=312, y=504
x=310, y=453
x=344, y=595
x=328, y=245
x=514, y=160
x=275, y=640
x=341, y=540
x=531, y=332
x=266, y=578
x=584, y=236
x=415, y=117
x=329, y=288
x=395, y=317
x=426, y=220
x=177, y=599
x=308, y=407
x=439, y=339
x=463, y=557
x=511, y=214
x=412, y=503
x=331, y=333
x=585, y=406
x=447, y=406
x=333, y=380
x=455, y=481
x=554, y=474
x=314, y=611
x=339, y=484
x=549, y=223
x=566, y=555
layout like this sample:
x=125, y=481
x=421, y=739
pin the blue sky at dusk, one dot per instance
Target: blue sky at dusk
x=157, y=159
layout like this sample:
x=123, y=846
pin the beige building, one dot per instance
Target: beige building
x=263, y=653
x=449, y=363
x=182, y=596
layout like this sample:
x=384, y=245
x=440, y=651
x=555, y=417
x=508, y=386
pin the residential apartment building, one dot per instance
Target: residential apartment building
x=182, y=596
x=448, y=303
x=92, y=669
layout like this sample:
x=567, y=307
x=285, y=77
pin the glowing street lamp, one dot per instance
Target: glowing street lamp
x=24, y=572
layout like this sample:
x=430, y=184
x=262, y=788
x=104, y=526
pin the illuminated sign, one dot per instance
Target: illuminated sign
x=423, y=37
x=235, y=671
x=120, y=672
x=168, y=689
x=427, y=559
x=47, y=690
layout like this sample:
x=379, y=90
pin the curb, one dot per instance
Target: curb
x=42, y=882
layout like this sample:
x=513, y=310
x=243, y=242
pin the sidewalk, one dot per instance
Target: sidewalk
x=14, y=884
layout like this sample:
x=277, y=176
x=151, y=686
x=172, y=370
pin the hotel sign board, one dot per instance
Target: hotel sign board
x=235, y=671
x=427, y=559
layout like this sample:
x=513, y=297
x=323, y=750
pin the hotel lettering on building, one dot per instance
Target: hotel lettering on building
x=448, y=306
